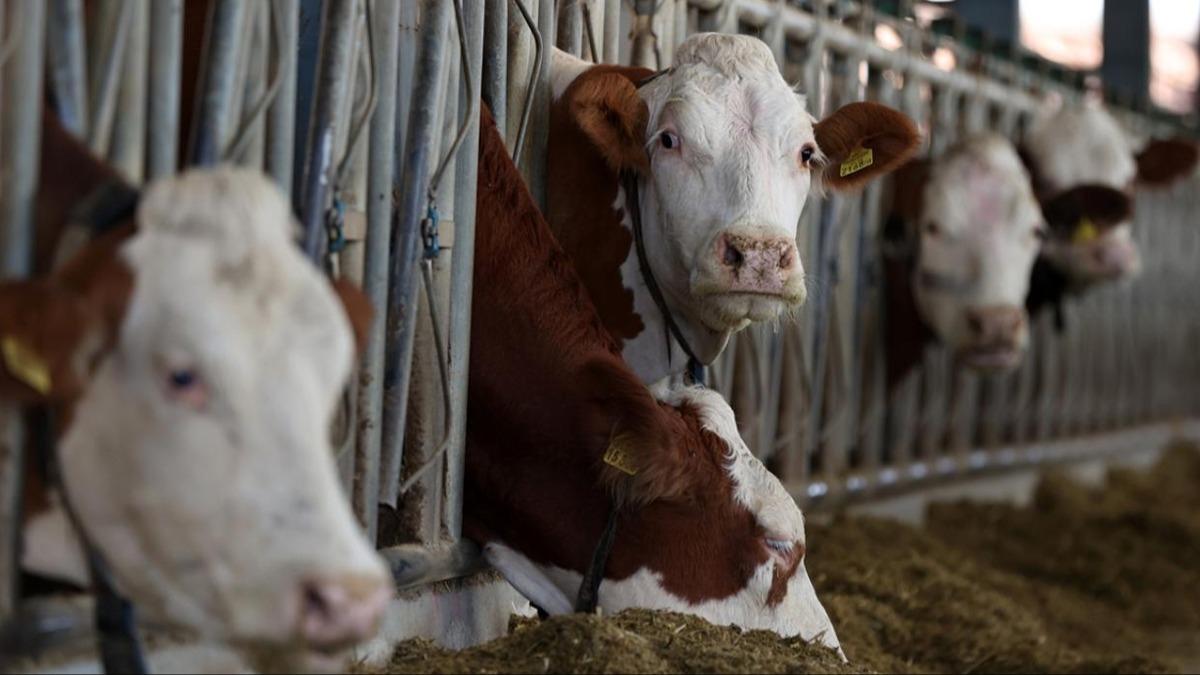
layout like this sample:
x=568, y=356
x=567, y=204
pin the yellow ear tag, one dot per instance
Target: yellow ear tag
x=858, y=160
x=617, y=458
x=25, y=364
x=1085, y=231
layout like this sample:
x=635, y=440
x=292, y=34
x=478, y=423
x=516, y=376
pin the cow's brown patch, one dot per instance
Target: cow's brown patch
x=1101, y=205
x=889, y=134
x=583, y=180
x=358, y=310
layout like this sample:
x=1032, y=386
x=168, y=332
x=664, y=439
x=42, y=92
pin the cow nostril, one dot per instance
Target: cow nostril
x=785, y=260
x=732, y=256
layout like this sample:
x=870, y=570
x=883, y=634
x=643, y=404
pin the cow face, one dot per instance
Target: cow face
x=197, y=455
x=725, y=154
x=1085, y=168
x=979, y=232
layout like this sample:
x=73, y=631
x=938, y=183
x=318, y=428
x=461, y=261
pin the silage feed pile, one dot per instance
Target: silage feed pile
x=1082, y=580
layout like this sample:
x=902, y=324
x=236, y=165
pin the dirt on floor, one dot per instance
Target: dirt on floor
x=1082, y=580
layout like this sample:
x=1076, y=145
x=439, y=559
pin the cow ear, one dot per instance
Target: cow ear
x=863, y=141
x=1162, y=162
x=607, y=108
x=48, y=338
x=358, y=310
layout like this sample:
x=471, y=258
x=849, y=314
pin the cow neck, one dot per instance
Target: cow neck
x=1048, y=288
x=107, y=214
x=906, y=334
x=695, y=369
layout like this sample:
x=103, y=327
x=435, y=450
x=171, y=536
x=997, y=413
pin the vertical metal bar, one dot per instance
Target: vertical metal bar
x=166, y=48
x=129, y=128
x=570, y=26
x=462, y=271
x=495, y=62
x=20, y=135
x=218, y=86
x=67, y=56
x=337, y=42
x=375, y=266
x=612, y=31
x=114, y=23
x=423, y=124
x=281, y=116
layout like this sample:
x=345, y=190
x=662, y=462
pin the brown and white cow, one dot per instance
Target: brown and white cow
x=962, y=234
x=193, y=358
x=704, y=529
x=1085, y=170
x=723, y=154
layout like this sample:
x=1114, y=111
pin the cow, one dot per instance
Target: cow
x=961, y=237
x=561, y=431
x=192, y=358
x=1085, y=170
x=712, y=160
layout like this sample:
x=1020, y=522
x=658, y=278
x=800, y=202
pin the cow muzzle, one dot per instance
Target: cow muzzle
x=752, y=263
x=996, y=337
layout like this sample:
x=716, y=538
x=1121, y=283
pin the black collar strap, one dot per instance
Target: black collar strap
x=633, y=205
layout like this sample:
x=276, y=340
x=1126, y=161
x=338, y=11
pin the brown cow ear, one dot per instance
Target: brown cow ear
x=358, y=310
x=863, y=141
x=1162, y=162
x=48, y=338
x=608, y=110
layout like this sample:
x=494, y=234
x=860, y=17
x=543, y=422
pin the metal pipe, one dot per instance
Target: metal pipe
x=129, y=128
x=494, y=78
x=570, y=25
x=281, y=117
x=104, y=79
x=20, y=134
x=337, y=42
x=375, y=266
x=218, y=75
x=462, y=271
x=67, y=56
x=423, y=125
x=166, y=49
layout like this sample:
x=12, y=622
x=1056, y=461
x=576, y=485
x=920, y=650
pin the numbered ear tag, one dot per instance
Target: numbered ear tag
x=617, y=457
x=1085, y=231
x=858, y=160
x=24, y=363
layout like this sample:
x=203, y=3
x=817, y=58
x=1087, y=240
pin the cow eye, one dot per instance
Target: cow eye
x=806, y=154
x=932, y=229
x=668, y=140
x=183, y=379
x=1041, y=233
x=186, y=386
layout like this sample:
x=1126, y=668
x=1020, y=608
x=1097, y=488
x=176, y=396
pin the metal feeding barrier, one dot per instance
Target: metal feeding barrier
x=366, y=113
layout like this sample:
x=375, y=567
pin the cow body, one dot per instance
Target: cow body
x=703, y=527
x=722, y=155
x=964, y=231
x=193, y=359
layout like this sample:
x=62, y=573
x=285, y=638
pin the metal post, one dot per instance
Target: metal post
x=337, y=42
x=114, y=23
x=67, y=55
x=375, y=265
x=20, y=135
x=218, y=86
x=129, y=128
x=166, y=47
x=570, y=26
x=423, y=123
x=281, y=116
x=462, y=271
x=495, y=61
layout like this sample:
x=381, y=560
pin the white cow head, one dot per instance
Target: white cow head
x=980, y=229
x=1085, y=168
x=196, y=448
x=725, y=154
